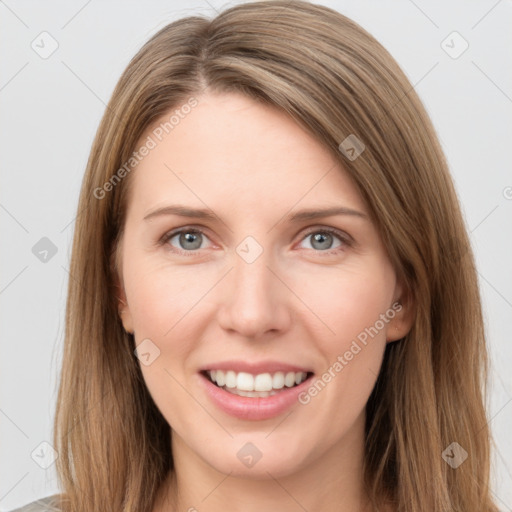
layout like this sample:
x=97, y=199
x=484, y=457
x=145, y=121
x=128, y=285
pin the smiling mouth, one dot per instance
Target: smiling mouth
x=256, y=386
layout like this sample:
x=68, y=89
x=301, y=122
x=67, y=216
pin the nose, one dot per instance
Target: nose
x=255, y=301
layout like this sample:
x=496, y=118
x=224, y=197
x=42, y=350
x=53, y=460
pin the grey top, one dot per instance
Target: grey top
x=48, y=504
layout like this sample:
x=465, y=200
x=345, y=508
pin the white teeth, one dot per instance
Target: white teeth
x=245, y=382
x=252, y=394
x=289, y=379
x=230, y=379
x=278, y=380
x=261, y=384
x=218, y=377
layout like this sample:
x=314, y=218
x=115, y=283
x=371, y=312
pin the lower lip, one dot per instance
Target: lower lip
x=253, y=408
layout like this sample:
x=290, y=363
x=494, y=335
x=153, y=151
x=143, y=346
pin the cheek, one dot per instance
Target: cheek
x=161, y=298
x=162, y=304
x=352, y=356
x=349, y=302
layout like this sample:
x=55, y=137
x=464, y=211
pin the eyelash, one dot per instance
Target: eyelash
x=344, y=239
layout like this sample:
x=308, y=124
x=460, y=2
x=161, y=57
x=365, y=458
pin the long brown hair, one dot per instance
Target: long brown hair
x=337, y=81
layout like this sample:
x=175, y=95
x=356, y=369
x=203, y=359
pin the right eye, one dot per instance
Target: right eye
x=185, y=240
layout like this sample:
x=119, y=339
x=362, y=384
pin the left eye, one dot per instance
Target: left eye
x=322, y=240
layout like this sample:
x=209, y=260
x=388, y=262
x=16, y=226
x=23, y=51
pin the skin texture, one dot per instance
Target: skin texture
x=296, y=303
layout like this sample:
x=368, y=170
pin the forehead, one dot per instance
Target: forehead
x=231, y=151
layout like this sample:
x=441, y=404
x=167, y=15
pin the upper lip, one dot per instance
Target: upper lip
x=255, y=368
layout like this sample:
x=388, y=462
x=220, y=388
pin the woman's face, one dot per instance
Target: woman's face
x=225, y=276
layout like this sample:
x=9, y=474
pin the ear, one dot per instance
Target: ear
x=401, y=313
x=123, y=308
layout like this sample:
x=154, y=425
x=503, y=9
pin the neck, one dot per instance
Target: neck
x=328, y=482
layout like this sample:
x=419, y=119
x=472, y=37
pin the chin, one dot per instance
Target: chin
x=256, y=456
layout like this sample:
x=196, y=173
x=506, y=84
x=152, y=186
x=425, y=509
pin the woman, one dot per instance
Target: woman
x=274, y=303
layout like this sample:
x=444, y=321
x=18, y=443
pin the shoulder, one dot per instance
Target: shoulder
x=48, y=504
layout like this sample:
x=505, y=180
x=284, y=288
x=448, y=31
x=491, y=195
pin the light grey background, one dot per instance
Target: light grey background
x=50, y=109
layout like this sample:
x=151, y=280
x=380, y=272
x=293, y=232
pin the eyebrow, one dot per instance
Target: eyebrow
x=302, y=215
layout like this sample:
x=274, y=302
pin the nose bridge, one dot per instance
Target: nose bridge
x=252, y=278
x=254, y=300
